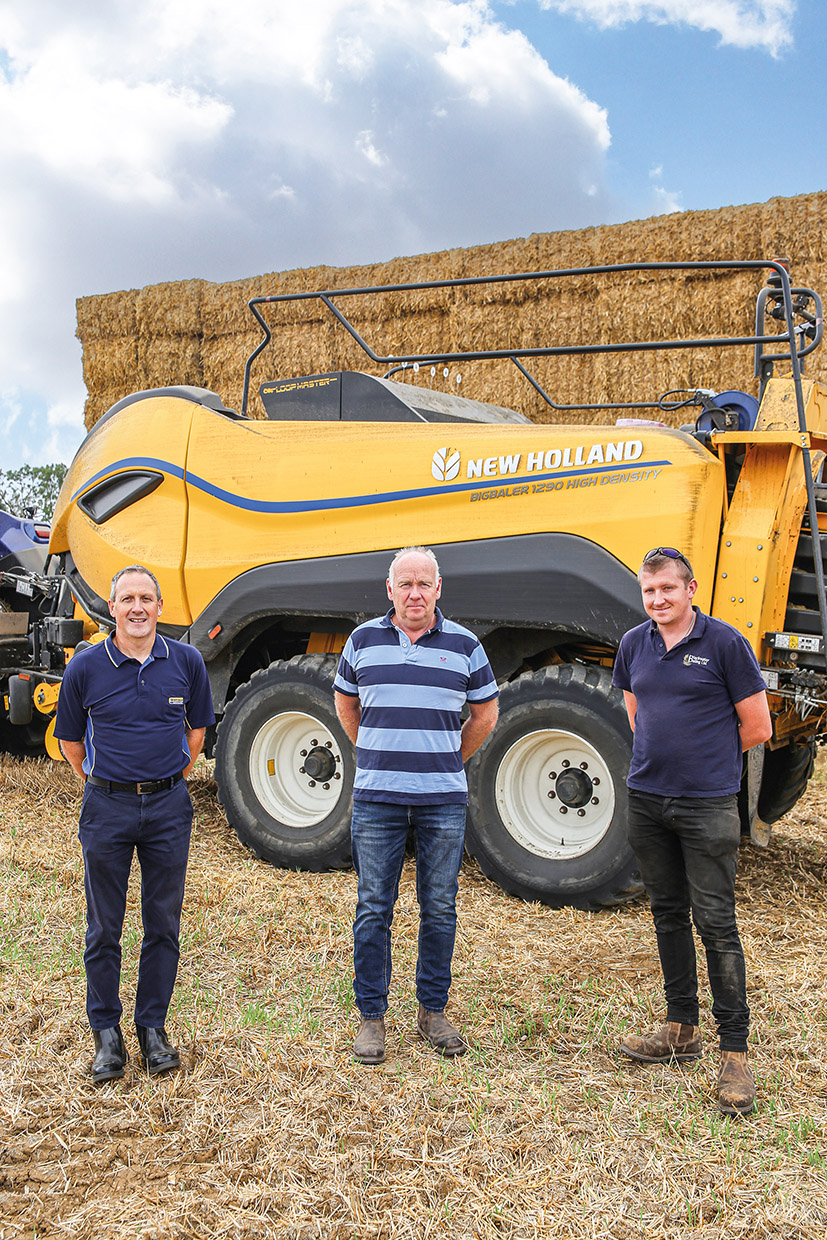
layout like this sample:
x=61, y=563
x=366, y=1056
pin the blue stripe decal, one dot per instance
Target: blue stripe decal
x=135, y=462
x=353, y=501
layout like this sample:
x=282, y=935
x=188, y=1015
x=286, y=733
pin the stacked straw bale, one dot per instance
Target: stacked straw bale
x=196, y=332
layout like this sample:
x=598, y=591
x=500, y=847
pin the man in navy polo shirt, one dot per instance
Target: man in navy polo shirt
x=696, y=701
x=400, y=687
x=131, y=718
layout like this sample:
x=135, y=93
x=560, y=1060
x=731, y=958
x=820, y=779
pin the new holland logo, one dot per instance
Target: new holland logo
x=445, y=464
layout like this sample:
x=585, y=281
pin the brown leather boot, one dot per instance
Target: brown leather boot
x=671, y=1041
x=441, y=1034
x=736, y=1084
x=369, y=1046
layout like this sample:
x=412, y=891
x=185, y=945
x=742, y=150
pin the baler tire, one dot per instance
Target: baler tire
x=24, y=740
x=565, y=717
x=282, y=716
x=786, y=774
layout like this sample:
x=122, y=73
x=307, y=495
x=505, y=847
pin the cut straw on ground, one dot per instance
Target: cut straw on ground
x=271, y=1129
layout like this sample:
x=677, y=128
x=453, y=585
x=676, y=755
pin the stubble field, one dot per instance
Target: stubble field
x=542, y=1130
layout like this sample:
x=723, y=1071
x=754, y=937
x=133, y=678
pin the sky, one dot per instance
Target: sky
x=177, y=139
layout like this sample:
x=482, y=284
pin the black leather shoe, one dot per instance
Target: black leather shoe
x=110, y=1054
x=159, y=1055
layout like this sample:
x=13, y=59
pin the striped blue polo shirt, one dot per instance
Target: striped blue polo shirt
x=411, y=695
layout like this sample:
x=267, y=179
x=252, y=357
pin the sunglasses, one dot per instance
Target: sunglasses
x=671, y=552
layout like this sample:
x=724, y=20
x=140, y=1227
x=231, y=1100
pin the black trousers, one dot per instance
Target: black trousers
x=687, y=851
x=114, y=826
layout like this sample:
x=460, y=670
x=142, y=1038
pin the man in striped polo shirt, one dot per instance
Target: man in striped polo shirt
x=401, y=684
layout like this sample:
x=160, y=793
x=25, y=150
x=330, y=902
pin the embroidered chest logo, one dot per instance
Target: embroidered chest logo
x=689, y=659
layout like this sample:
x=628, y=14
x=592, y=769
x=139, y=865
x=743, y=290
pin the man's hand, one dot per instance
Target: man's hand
x=349, y=711
x=477, y=726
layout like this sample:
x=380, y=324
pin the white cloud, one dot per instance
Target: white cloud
x=64, y=413
x=192, y=138
x=127, y=136
x=365, y=146
x=12, y=408
x=765, y=24
x=665, y=201
x=492, y=65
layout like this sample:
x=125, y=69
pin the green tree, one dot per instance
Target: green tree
x=31, y=486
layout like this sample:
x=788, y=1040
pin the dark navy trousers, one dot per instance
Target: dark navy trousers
x=114, y=826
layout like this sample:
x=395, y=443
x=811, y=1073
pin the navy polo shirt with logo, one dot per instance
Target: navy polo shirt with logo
x=686, y=739
x=408, y=750
x=134, y=717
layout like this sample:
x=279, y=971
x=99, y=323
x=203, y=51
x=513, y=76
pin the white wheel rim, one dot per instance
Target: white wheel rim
x=277, y=757
x=556, y=827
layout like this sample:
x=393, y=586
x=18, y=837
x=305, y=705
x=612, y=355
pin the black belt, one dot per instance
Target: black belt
x=143, y=789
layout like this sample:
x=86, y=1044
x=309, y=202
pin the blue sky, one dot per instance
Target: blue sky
x=191, y=138
x=724, y=124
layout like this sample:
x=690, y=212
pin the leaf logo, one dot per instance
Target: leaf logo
x=445, y=465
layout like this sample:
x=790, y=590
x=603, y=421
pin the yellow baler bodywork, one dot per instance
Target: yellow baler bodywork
x=763, y=523
x=239, y=494
x=153, y=532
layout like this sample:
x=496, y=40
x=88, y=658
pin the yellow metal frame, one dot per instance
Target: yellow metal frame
x=763, y=520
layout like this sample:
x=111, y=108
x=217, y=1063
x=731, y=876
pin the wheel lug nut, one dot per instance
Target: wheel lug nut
x=581, y=813
x=563, y=809
x=314, y=743
x=552, y=795
x=595, y=781
x=328, y=744
x=301, y=770
x=312, y=783
x=566, y=762
x=337, y=775
x=552, y=774
x=595, y=800
x=326, y=787
x=584, y=766
x=303, y=753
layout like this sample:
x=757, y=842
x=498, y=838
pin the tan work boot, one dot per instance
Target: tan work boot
x=736, y=1084
x=441, y=1034
x=671, y=1041
x=369, y=1046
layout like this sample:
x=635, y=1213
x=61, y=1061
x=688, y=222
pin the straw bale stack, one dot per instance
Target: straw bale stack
x=107, y=316
x=200, y=333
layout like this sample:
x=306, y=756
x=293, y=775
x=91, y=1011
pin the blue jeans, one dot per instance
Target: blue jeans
x=687, y=851
x=379, y=831
x=113, y=826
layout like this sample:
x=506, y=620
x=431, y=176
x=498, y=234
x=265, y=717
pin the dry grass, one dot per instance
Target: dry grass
x=541, y=1131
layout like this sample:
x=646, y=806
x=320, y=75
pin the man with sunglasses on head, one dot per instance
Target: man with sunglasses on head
x=696, y=702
